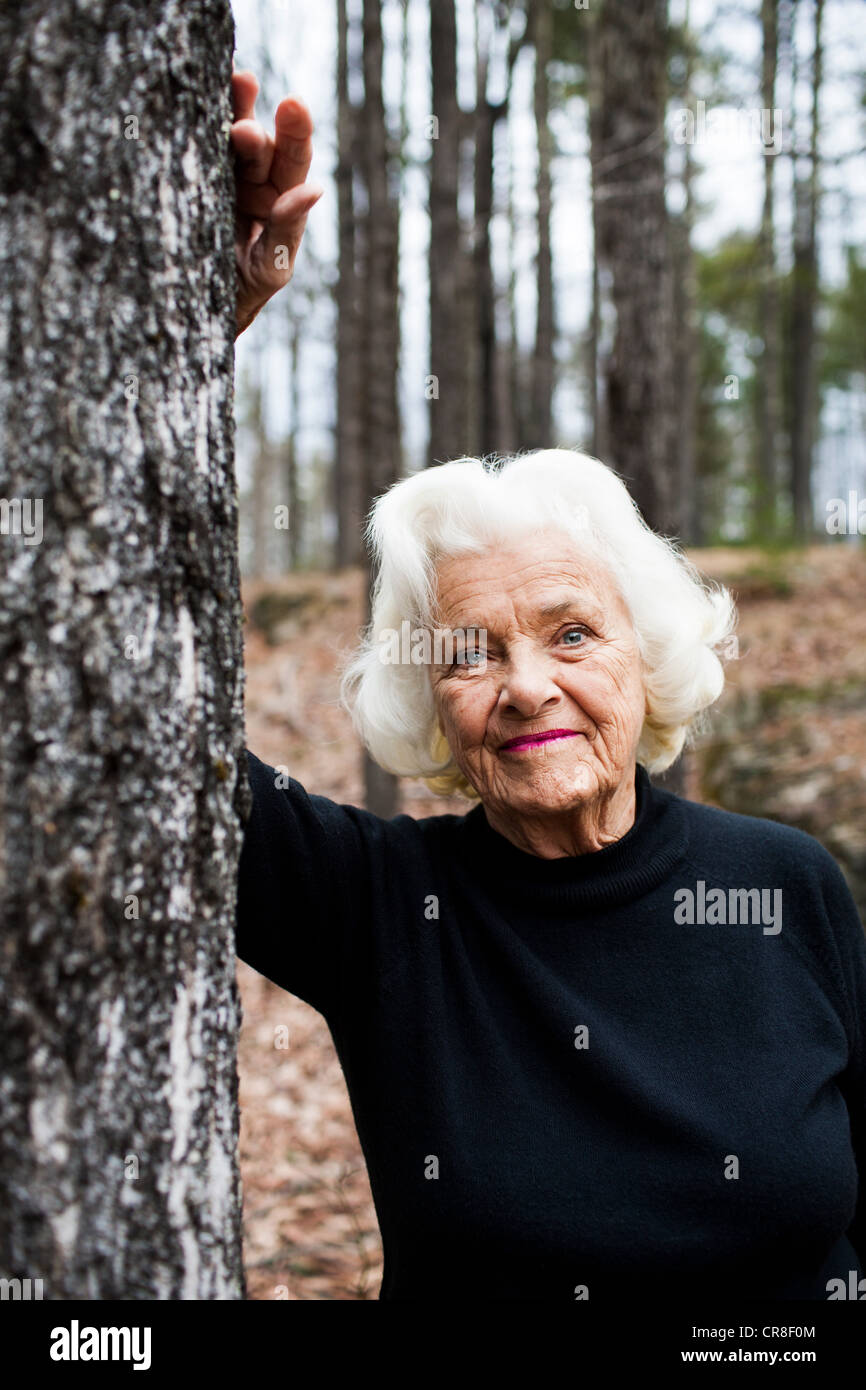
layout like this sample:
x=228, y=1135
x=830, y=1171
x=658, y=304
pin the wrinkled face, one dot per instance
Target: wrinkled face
x=561, y=655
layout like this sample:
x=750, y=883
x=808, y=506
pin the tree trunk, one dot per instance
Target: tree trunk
x=258, y=500
x=517, y=366
x=381, y=325
x=468, y=316
x=486, y=116
x=447, y=341
x=804, y=402
x=490, y=375
x=686, y=342
x=122, y=781
x=598, y=412
x=628, y=45
x=349, y=460
x=296, y=518
x=769, y=406
x=543, y=362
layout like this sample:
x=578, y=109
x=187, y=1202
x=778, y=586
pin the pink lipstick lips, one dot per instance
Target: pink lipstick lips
x=535, y=740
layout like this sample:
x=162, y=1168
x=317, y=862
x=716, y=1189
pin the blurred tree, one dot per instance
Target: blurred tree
x=348, y=476
x=290, y=452
x=449, y=356
x=516, y=407
x=692, y=523
x=541, y=429
x=500, y=34
x=380, y=341
x=633, y=247
x=768, y=378
x=843, y=363
x=568, y=82
x=728, y=288
x=804, y=299
x=259, y=498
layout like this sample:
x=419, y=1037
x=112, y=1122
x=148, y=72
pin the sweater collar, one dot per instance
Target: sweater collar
x=618, y=873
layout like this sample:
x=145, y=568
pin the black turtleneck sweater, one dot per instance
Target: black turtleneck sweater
x=564, y=1088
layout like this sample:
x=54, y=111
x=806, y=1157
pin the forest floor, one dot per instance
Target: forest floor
x=788, y=741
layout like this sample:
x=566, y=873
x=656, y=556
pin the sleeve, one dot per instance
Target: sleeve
x=303, y=887
x=848, y=948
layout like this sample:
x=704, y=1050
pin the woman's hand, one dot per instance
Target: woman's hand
x=272, y=198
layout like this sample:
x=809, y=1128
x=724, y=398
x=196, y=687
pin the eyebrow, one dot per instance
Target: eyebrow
x=556, y=608
x=560, y=607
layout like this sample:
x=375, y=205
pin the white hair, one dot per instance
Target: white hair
x=466, y=506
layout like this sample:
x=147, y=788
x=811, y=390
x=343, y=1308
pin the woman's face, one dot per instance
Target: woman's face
x=561, y=654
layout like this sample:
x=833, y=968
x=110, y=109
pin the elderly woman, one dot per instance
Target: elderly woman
x=600, y=1041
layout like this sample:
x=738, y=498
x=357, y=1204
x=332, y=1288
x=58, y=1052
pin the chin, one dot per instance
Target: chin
x=560, y=795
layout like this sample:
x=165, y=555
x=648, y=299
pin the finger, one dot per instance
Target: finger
x=256, y=199
x=284, y=230
x=254, y=149
x=293, y=145
x=245, y=89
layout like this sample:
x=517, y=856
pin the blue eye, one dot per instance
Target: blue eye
x=580, y=633
x=471, y=657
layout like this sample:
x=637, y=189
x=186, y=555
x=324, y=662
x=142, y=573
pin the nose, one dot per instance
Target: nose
x=528, y=687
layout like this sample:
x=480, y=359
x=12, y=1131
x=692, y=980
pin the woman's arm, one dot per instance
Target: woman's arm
x=288, y=924
x=273, y=198
x=311, y=881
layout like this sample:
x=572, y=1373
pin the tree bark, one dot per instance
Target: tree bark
x=486, y=116
x=259, y=499
x=687, y=336
x=768, y=383
x=804, y=404
x=628, y=46
x=447, y=340
x=122, y=781
x=515, y=412
x=296, y=517
x=597, y=406
x=596, y=414
x=381, y=325
x=489, y=374
x=543, y=360
x=349, y=461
